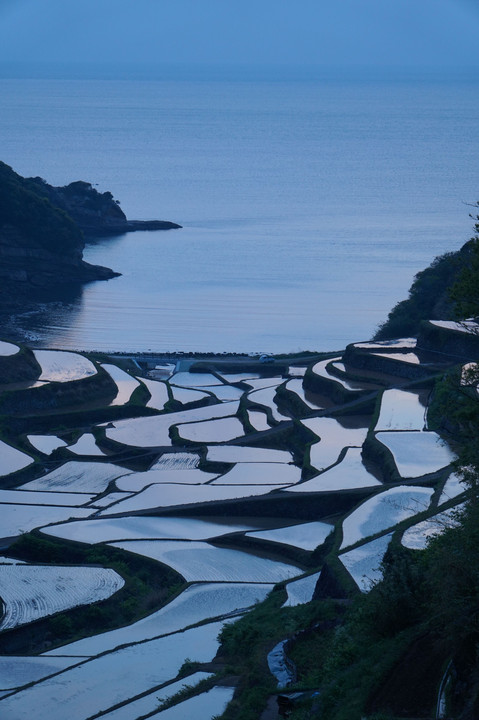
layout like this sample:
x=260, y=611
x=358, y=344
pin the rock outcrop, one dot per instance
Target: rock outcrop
x=24, y=264
x=42, y=233
x=40, y=244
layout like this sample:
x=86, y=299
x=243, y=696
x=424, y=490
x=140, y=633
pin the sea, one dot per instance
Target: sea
x=307, y=204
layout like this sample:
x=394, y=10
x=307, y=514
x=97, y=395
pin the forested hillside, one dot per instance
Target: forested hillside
x=430, y=294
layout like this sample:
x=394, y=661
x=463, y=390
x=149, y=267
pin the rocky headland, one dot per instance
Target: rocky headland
x=43, y=230
x=96, y=214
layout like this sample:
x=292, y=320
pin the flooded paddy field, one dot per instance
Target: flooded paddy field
x=230, y=479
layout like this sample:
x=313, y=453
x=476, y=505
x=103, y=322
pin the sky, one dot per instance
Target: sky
x=410, y=34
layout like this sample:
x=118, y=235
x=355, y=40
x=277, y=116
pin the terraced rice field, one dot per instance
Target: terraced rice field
x=46, y=443
x=154, y=431
x=193, y=380
x=453, y=486
x=265, y=397
x=223, y=393
x=417, y=453
x=261, y=473
x=466, y=326
x=88, y=477
x=122, y=674
x=159, y=393
x=134, y=482
x=296, y=386
x=208, y=704
x=18, y=519
x=321, y=369
x=12, y=460
x=30, y=592
x=195, y=604
x=124, y=382
x=258, y=420
x=18, y=671
x=301, y=591
x=61, y=366
x=34, y=497
x=348, y=474
x=110, y=499
x=200, y=562
x=145, y=528
x=246, y=454
x=398, y=344
x=417, y=536
x=363, y=563
x=177, y=461
x=406, y=357
x=7, y=349
x=351, y=384
x=259, y=383
x=401, y=410
x=333, y=438
x=305, y=535
x=187, y=395
x=146, y=704
x=85, y=445
x=81, y=691
x=172, y=495
x=383, y=511
x=238, y=377
x=209, y=431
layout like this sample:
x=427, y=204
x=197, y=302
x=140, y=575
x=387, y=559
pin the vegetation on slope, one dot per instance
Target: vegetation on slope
x=245, y=645
x=447, y=289
x=390, y=653
x=41, y=246
x=25, y=209
x=386, y=655
x=428, y=297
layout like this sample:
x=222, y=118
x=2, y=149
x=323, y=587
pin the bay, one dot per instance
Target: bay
x=307, y=206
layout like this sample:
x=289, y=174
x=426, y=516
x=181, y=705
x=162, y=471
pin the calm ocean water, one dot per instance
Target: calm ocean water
x=307, y=206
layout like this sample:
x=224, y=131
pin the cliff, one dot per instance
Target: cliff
x=42, y=233
x=40, y=245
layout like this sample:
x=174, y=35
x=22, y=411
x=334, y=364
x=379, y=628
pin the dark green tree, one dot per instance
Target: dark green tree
x=465, y=291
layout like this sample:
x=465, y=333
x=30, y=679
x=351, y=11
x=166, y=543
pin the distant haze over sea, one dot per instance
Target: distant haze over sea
x=308, y=204
x=208, y=72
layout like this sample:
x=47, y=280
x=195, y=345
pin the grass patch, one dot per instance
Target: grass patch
x=139, y=396
x=243, y=417
x=245, y=644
